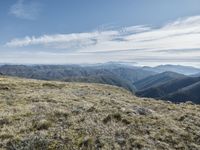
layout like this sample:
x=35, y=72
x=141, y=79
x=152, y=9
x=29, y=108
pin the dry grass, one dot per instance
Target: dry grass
x=41, y=115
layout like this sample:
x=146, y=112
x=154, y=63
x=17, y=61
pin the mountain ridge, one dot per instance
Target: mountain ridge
x=157, y=79
x=173, y=87
x=186, y=70
x=121, y=75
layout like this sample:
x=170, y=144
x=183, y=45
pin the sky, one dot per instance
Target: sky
x=142, y=32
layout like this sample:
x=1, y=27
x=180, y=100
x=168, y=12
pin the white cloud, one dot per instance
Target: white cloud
x=25, y=10
x=66, y=39
x=178, y=40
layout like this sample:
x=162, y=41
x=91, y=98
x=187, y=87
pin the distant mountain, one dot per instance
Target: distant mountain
x=186, y=70
x=113, y=74
x=170, y=90
x=156, y=80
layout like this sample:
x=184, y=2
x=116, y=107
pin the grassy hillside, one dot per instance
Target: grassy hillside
x=55, y=115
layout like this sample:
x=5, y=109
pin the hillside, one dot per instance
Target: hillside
x=185, y=94
x=56, y=115
x=156, y=80
x=108, y=73
x=111, y=79
x=173, y=87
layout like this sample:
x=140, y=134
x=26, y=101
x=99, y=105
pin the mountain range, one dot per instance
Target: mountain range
x=167, y=82
x=186, y=70
x=110, y=73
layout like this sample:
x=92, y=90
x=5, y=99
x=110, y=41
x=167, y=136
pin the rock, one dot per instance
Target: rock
x=189, y=103
x=77, y=110
x=121, y=141
x=143, y=111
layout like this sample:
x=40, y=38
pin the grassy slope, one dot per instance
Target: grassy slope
x=55, y=115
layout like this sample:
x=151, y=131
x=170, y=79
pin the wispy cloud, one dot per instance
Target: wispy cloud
x=69, y=40
x=181, y=34
x=80, y=40
x=178, y=40
x=25, y=9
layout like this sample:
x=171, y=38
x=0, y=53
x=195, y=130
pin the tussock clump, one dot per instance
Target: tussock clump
x=4, y=88
x=107, y=119
x=34, y=142
x=4, y=121
x=42, y=124
x=51, y=85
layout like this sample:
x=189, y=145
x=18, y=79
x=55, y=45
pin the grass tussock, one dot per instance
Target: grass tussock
x=43, y=115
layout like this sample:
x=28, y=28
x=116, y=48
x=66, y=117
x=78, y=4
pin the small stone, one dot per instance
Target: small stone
x=121, y=140
x=143, y=111
x=77, y=110
x=189, y=103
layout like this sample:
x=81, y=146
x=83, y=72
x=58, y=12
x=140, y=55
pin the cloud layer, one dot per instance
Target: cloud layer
x=178, y=40
x=25, y=10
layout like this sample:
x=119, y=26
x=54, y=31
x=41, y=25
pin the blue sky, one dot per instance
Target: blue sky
x=148, y=32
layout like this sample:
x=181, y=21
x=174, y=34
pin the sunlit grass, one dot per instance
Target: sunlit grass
x=54, y=115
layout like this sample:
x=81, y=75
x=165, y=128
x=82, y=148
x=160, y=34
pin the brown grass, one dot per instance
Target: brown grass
x=54, y=115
